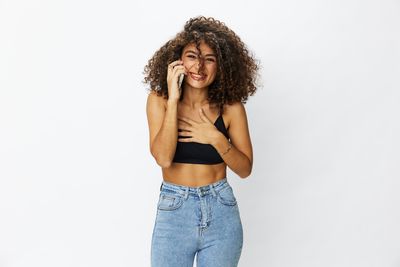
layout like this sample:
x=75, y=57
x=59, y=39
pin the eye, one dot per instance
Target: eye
x=210, y=59
x=191, y=56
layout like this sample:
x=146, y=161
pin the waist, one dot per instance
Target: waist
x=191, y=190
x=193, y=174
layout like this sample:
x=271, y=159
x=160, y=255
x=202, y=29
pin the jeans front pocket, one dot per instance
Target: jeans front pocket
x=226, y=196
x=169, y=201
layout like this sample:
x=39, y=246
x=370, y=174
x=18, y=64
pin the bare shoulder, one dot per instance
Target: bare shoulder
x=155, y=100
x=156, y=106
x=155, y=109
x=234, y=108
x=235, y=112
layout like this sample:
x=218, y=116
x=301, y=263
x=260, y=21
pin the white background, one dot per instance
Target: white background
x=78, y=186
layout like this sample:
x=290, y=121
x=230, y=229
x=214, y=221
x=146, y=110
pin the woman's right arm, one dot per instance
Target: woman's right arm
x=163, y=128
x=162, y=117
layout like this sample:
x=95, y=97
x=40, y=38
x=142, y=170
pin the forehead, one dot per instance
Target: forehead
x=204, y=48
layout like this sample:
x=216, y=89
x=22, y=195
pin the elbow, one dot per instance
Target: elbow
x=246, y=173
x=164, y=163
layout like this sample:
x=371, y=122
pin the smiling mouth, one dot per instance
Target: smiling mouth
x=197, y=77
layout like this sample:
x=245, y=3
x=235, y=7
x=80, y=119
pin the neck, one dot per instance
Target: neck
x=195, y=97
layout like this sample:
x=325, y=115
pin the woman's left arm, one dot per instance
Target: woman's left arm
x=238, y=157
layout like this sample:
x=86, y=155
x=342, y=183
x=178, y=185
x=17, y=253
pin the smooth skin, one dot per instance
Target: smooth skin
x=196, y=118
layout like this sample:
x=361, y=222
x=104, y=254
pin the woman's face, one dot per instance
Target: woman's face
x=201, y=66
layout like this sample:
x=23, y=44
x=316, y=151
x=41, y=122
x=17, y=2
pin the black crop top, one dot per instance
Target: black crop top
x=196, y=153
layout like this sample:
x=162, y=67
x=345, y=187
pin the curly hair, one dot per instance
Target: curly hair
x=237, y=68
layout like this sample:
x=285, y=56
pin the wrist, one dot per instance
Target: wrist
x=221, y=144
x=172, y=102
x=218, y=139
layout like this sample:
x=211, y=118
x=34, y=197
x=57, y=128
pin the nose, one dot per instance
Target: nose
x=201, y=62
x=199, y=65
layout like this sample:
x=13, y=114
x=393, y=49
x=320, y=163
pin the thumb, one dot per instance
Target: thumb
x=203, y=116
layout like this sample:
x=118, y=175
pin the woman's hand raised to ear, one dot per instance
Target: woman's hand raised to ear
x=203, y=132
x=175, y=68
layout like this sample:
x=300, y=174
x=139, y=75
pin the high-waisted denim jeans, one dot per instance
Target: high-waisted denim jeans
x=203, y=220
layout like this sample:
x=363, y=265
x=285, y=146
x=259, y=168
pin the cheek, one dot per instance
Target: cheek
x=212, y=70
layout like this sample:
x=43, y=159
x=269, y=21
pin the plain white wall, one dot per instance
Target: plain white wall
x=78, y=186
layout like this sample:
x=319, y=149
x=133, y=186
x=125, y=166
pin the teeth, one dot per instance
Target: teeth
x=197, y=76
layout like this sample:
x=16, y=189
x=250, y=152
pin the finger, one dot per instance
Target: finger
x=175, y=63
x=184, y=127
x=187, y=120
x=181, y=121
x=173, y=66
x=178, y=70
x=173, y=70
x=203, y=116
x=186, y=140
x=185, y=134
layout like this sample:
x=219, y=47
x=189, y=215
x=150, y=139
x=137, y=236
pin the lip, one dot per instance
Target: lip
x=197, y=77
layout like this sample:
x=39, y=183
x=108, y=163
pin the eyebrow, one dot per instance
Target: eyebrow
x=194, y=52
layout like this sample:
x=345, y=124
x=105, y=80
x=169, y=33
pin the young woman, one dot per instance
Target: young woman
x=196, y=131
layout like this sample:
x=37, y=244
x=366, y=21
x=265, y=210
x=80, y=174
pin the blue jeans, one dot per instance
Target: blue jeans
x=203, y=220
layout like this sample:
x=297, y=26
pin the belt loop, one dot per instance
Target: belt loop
x=186, y=192
x=198, y=191
x=213, y=190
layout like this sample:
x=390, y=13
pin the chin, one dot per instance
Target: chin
x=199, y=85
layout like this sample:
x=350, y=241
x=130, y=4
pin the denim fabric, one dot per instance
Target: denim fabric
x=203, y=220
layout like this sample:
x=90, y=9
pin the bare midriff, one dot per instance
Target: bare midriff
x=194, y=175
